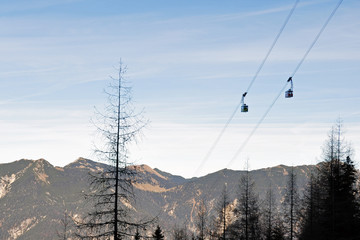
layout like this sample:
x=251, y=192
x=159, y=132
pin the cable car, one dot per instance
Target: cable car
x=289, y=93
x=244, y=107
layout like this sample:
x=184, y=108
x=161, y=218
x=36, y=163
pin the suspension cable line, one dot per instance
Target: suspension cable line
x=272, y=45
x=215, y=143
x=242, y=146
x=256, y=126
x=317, y=37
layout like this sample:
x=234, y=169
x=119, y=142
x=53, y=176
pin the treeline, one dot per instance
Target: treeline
x=328, y=209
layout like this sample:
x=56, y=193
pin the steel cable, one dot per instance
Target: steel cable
x=215, y=143
x=277, y=97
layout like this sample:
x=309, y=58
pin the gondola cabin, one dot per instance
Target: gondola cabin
x=289, y=93
x=244, y=108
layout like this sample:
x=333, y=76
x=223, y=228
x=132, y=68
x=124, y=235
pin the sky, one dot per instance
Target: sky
x=189, y=62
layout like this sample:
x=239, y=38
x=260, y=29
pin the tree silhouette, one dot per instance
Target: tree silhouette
x=137, y=235
x=311, y=207
x=222, y=220
x=201, y=220
x=111, y=188
x=333, y=212
x=272, y=225
x=291, y=204
x=67, y=225
x=247, y=222
x=158, y=235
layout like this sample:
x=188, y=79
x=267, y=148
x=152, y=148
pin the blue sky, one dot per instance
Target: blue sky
x=189, y=63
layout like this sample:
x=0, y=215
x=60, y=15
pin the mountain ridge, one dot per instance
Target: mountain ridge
x=34, y=194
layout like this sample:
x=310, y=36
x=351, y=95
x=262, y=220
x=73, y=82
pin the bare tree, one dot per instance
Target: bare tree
x=111, y=188
x=291, y=203
x=221, y=221
x=201, y=220
x=66, y=227
x=269, y=213
x=137, y=235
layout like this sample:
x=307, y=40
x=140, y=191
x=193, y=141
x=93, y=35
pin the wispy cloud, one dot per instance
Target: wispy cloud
x=188, y=70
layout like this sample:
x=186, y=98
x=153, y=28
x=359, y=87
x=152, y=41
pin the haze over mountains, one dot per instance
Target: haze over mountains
x=34, y=194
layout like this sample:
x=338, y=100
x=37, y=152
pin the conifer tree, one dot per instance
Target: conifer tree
x=111, y=188
x=158, y=235
x=310, y=211
x=337, y=213
x=247, y=223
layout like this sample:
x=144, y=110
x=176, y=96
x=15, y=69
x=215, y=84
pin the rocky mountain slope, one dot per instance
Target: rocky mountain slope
x=34, y=194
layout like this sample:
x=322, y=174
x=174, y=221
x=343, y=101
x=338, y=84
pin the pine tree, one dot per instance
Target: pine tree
x=338, y=213
x=247, y=223
x=349, y=212
x=311, y=208
x=158, y=235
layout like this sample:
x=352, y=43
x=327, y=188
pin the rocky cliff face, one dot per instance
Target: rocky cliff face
x=35, y=194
